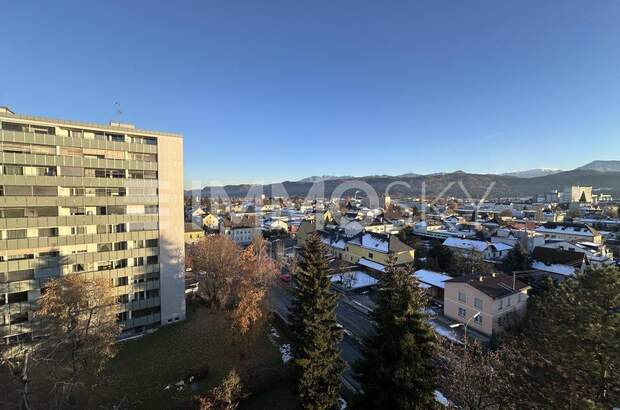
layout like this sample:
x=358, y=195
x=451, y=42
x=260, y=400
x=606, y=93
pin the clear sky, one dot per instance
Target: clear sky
x=273, y=90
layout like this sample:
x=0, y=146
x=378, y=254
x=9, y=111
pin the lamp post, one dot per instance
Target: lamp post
x=454, y=326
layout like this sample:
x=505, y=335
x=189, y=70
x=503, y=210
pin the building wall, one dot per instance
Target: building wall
x=354, y=252
x=79, y=198
x=171, y=229
x=490, y=312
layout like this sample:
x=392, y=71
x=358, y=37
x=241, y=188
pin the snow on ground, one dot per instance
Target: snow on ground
x=440, y=398
x=445, y=331
x=285, y=352
x=353, y=280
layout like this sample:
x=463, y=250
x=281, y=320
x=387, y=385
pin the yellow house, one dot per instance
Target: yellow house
x=373, y=250
x=193, y=233
x=368, y=249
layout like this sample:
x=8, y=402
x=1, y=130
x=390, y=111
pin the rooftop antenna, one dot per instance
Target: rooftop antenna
x=119, y=111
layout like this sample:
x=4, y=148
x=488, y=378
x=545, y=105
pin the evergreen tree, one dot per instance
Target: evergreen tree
x=317, y=336
x=516, y=260
x=397, y=370
x=567, y=355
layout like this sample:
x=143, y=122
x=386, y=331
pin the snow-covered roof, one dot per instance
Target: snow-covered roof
x=370, y=264
x=340, y=243
x=565, y=270
x=431, y=278
x=471, y=244
x=566, y=229
x=376, y=242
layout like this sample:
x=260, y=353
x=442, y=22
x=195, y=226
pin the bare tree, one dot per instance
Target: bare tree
x=79, y=318
x=225, y=396
x=215, y=259
x=472, y=378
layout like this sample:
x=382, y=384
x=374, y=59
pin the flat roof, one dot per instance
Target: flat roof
x=88, y=125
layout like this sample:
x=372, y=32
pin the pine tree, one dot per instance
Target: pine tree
x=397, y=370
x=516, y=260
x=316, y=334
x=567, y=354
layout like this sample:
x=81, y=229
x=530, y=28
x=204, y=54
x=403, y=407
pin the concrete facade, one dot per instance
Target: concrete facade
x=90, y=199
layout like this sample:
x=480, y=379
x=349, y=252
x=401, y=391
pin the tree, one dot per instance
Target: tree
x=79, y=318
x=567, y=354
x=473, y=379
x=216, y=260
x=441, y=258
x=397, y=371
x=516, y=260
x=316, y=334
x=469, y=262
x=225, y=396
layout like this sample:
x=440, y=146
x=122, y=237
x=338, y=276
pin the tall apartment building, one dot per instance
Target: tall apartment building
x=96, y=200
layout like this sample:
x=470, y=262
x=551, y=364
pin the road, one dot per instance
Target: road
x=355, y=323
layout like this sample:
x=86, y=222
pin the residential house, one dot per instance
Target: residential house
x=558, y=263
x=571, y=232
x=241, y=231
x=487, y=250
x=193, y=233
x=485, y=302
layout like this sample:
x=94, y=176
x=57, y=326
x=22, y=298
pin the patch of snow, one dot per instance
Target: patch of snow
x=440, y=398
x=285, y=352
x=353, y=279
x=445, y=332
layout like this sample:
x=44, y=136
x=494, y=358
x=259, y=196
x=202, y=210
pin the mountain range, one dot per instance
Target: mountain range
x=602, y=175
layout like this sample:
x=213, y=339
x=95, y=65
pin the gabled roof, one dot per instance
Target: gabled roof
x=495, y=286
x=432, y=278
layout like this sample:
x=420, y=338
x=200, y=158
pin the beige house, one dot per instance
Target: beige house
x=211, y=222
x=495, y=297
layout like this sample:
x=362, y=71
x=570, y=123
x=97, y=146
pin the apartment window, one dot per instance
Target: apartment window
x=72, y=171
x=17, y=190
x=123, y=298
x=370, y=255
x=462, y=312
x=139, y=295
x=153, y=293
x=500, y=304
x=16, y=234
x=12, y=213
x=45, y=190
x=18, y=297
x=122, y=281
x=508, y=301
x=48, y=232
x=20, y=275
x=152, y=260
x=521, y=297
x=122, y=317
x=13, y=170
x=19, y=318
x=78, y=230
x=478, y=319
x=462, y=297
x=478, y=303
x=71, y=151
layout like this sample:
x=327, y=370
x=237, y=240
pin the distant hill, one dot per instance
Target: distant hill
x=323, y=178
x=533, y=173
x=602, y=166
x=475, y=184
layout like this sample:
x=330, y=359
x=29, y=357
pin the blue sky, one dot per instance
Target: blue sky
x=273, y=90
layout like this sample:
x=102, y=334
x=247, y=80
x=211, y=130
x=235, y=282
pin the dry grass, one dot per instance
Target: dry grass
x=136, y=377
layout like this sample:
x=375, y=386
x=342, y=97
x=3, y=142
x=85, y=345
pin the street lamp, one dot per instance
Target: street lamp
x=454, y=326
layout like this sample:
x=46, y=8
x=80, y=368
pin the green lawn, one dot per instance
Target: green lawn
x=136, y=377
